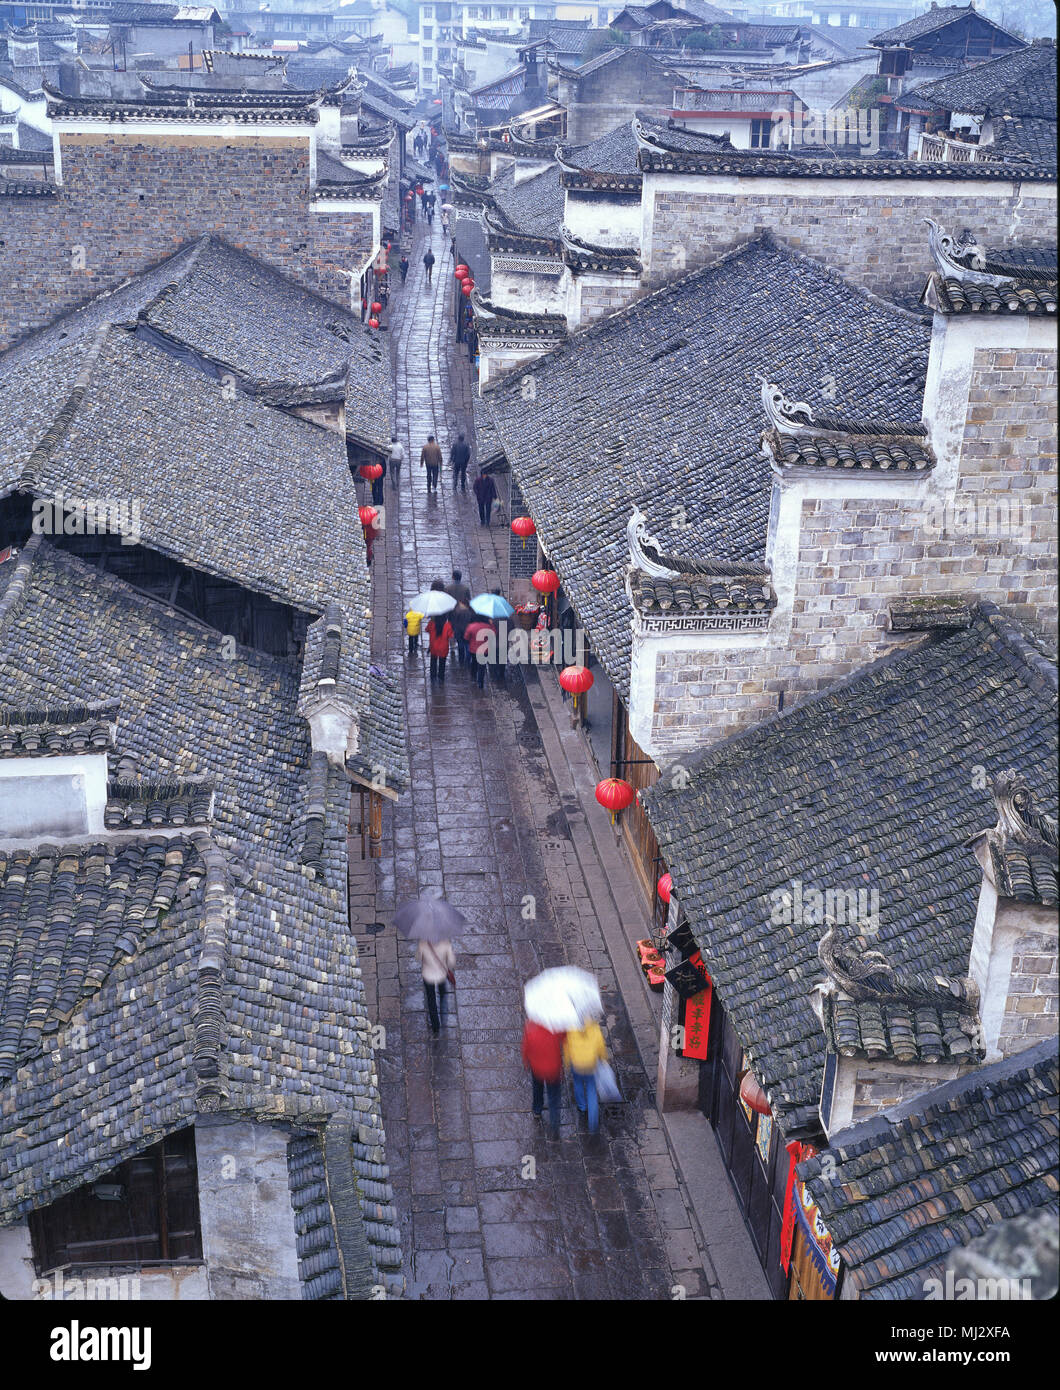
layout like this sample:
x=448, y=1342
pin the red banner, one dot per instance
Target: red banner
x=797, y=1153
x=697, y=1023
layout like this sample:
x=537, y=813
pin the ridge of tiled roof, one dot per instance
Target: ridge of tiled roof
x=185, y=104
x=1022, y=83
x=685, y=359
x=1023, y=844
x=901, y=1192
x=935, y=18
x=221, y=991
x=983, y=694
x=59, y=731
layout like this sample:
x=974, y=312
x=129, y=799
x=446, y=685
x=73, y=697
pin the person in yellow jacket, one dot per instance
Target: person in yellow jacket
x=413, y=624
x=583, y=1049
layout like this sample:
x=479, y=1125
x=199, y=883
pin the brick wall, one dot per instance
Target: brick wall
x=1031, y=1006
x=595, y=300
x=872, y=233
x=128, y=204
x=857, y=555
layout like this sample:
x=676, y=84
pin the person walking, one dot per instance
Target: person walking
x=371, y=535
x=377, y=485
x=439, y=635
x=485, y=490
x=428, y=264
x=460, y=457
x=582, y=1049
x=413, y=626
x=437, y=966
x=481, y=639
x=431, y=459
x=460, y=618
x=543, y=1058
x=395, y=460
x=430, y=212
x=403, y=266
x=456, y=588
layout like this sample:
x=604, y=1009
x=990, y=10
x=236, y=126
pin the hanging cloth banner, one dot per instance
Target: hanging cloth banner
x=822, y=1252
x=697, y=1024
x=796, y=1152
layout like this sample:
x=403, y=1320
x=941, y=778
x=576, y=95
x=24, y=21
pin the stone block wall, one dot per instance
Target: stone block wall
x=1031, y=1005
x=871, y=232
x=126, y=203
x=595, y=297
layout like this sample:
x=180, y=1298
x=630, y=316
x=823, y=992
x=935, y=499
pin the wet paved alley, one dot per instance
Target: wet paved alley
x=490, y=1206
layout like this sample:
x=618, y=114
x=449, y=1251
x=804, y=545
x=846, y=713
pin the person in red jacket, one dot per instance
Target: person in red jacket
x=543, y=1057
x=439, y=635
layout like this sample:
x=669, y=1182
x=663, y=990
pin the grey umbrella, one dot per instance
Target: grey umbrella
x=428, y=919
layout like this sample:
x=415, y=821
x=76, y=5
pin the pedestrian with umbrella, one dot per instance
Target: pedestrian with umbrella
x=555, y=1001
x=461, y=619
x=432, y=923
x=481, y=639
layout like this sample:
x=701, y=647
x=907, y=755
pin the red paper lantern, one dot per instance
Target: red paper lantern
x=367, y=515
x=665, y=887
x=461, y=271
x=575, y=680
x=377, y=308
x=545, y=581
x=614, y=795
x=524, y=526
x=373, y=323
x=752, y=1094
x=466, y=288
x=371, y=471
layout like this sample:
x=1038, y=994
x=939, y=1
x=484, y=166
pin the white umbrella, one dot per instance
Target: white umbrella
x=432, y=603
x=562, y=998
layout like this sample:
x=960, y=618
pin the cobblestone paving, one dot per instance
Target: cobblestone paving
x=490, y=1206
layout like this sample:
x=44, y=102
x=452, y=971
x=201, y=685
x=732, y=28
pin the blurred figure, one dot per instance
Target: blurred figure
x=583, y=1049
x=543, y=1058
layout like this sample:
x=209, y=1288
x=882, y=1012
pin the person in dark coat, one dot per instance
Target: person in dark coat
x=428, y=264
x=460, y=618
x=403, y=266
x=543, y=1058
x=456, y=588
x=485, y=490
x=377, y=485
x=460, y=457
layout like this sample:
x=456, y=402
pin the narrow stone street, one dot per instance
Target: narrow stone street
x=490, y=1207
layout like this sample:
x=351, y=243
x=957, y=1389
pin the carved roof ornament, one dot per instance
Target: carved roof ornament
x=783, y=413
x=637, y=536
x=857, y=969
x=1018, y=822
x=961, y=260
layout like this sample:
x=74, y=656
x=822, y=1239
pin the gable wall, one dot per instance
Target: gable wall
x=870, y=231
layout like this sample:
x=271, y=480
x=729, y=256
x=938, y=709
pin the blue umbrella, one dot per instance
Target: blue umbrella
x=492, y=606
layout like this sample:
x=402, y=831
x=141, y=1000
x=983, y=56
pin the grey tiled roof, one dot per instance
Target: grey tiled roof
x=702, y=593
x=866, y=785
x=145, y=426
x=1029, y=137
x=247, y=999
x=952, y=296
x=659, y=404
x=937, y=17
x=613, y=153
x=231, y=308
x=1017, y=84
x=901, y=453
x=534, y=206
x=899, y=1030
x=900, y=1194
